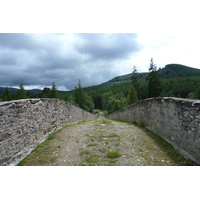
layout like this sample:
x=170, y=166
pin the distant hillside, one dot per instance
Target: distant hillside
x=126, y=77
x=170, y=71
x=121, y=84
x=176, y=70
x=13, y=90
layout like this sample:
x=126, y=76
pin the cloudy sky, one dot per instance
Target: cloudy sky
x=37, y=60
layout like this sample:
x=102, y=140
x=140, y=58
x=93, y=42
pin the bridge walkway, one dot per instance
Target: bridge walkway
x=103, y=142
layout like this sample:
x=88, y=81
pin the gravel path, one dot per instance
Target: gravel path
x=103, y=142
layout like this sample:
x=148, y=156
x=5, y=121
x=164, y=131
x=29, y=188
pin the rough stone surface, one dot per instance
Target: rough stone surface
x=26, y=123
x=176, y=120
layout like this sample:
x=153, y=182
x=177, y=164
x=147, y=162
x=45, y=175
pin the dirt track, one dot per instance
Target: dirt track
x=89, y=143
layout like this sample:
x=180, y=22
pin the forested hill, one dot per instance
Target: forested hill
x=170, y=71
x=176, y=70
x=177, y=81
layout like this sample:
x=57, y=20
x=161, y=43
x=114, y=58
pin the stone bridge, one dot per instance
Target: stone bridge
x=26, y=123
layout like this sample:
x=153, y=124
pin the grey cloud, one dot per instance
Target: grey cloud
x=40, y=59
x=16, y=41
x=108, y=46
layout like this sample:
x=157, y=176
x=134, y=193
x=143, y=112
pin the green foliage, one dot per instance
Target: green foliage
x=181, y=87
x=178, y=71
x=82, y=99
x=112, y=103
x=53, y=92
x=46, y=92
x=21, y=93
x=134, y=79
x=191, y=96
x=154, y=83
x=80, y=96
x=132, y=96
x=197, y=92
x=113, y=154
x=105, y=100
x=7, y=95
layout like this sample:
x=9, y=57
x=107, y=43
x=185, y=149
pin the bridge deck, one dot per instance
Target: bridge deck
x=90, y=143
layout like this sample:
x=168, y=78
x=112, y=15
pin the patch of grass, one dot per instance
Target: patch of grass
x=113, y=154
x=92, y=159
x=84, y=152
x=51, y=136
x=105, y=112
x=22, y=162
x=112, y=161
x=113, y=135
x=102, y=150
x=107, y=122
x=117, y=140
x=109, y=136
x=91, y=145
x=139, y=124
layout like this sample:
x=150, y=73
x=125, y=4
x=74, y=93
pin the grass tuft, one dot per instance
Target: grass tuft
x=113, y=154
x=91, y=145
x=84, y=152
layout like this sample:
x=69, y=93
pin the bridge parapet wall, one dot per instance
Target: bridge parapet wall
x=174, y=119
x=26, y=123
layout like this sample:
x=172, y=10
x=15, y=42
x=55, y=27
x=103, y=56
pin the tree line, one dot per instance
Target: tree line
x=116, y=95
x=22, y=94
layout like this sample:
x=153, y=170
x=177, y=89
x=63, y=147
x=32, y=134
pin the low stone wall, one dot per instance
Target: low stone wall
x=26, y=123
x=175, y=120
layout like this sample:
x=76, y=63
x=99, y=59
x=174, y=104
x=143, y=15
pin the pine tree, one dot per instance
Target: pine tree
x=134, y=78
x=132, y=95
x=80, y=96
x=21, y=93
x=154, y=83
x=7, y=95
x=82, y=99
x=53, y=92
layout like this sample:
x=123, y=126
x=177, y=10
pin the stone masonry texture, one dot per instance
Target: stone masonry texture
x=175, y=120
x=26, y=123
